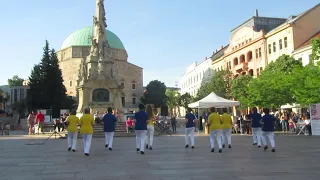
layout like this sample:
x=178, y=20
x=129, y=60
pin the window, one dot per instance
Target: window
x=123, y=101
x=269, y=48
x=257, y=54
x=260, y=54
x=274, y=47
x=280, y=44
x=15, y=95
x=133, y=86
x=70, y=83
x=134, y=100
x=21, y=94
x=285, y=40
x=100, y=95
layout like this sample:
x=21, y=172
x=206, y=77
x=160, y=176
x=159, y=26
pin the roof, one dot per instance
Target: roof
x=219, y=53
x=81, y=37
x=308, y=42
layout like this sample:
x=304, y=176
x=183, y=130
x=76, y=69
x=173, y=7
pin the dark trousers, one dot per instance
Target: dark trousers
x=174, y=127
x=57, y=125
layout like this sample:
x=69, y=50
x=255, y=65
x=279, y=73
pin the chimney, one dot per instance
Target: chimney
x=221, y=47
x=257, y=13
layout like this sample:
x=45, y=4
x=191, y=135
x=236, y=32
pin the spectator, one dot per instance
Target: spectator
x=129, y=125
x=31, y=122
x=40, y=121
x=174, y=123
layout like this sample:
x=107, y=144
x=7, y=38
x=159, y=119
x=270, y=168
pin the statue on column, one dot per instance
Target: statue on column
x=83, y=75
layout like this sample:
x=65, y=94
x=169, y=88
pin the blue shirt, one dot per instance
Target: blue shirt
x=109, y=122
x=190, y=117
x=268, y=123
x=141, y=118
x=256, y=118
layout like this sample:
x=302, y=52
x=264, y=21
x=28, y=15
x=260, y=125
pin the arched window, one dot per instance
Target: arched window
x=100, y=95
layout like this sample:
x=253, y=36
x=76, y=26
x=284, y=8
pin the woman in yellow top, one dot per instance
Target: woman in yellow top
x=72, y=128
x=86, y=129
x=226, y=128
x=214, y=123
x=150, y=127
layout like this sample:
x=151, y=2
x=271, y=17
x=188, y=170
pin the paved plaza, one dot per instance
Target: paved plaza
x=297, y=157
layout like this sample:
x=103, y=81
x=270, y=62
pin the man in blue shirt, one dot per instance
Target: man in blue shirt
x=109, y=123
x=268, y=129
x=190, y=127
x=141, y=120
x=255, y=118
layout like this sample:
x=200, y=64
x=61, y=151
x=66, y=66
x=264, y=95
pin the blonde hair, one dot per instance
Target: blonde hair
x=149, y=111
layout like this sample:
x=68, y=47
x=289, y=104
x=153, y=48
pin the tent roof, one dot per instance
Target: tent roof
x=212, y=100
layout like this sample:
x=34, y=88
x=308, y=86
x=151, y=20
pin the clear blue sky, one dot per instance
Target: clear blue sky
x=162, y=36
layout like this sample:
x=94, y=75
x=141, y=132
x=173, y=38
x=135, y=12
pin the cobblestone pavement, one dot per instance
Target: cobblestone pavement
x=297, y=157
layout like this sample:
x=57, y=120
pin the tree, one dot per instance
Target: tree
x=284, y=63
x=315, y=49
x=171, y=99
x=46, y=84
x=15, y=81
x=155, y=94
x=184, y=100
x=240, y=89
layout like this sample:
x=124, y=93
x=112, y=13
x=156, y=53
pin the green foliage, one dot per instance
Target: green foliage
x=184, y=100
x=240, y=88
x=315, y=49
x=46, y=84
x=284, y=63
x=171, y=98
x=15, y=81
x=155, y=94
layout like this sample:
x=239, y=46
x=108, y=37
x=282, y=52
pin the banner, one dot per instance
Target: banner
x=315, y=119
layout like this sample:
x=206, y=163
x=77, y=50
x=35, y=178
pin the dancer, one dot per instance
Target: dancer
x=141, y=119
x=190, y=128
x=72, y=128
x=86, y=129
x=214, y=123
x=256, y=126
x=226, y=127
x=268, y=129
x=150, y=127
x=109, y=123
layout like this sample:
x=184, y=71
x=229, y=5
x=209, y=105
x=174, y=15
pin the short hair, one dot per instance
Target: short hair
x=225, y=110
x=141, y=106
x=212, y=109
x=254, y=109
x=189, y=110
x=109, y=109
x=73, y=112
x=266, y=110
x=87, y=110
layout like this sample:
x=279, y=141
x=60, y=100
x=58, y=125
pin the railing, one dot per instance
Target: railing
x=130, y=105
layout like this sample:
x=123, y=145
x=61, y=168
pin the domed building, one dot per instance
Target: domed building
x=77, y=47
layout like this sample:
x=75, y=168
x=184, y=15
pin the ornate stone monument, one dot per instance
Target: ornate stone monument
x=98, y=85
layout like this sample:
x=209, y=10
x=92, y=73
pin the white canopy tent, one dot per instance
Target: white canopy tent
x=212, y=100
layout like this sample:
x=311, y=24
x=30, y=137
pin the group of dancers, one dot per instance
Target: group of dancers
x=220, y=127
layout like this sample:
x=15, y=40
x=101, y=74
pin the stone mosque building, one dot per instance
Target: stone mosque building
x=77, y=47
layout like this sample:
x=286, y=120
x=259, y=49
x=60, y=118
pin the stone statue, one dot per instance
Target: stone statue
x=94, y=48
x=83, y=71
x=95, y=21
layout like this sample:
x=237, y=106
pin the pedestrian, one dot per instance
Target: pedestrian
x=190, y=127
x=72, y=128
x=86, y=122
x=150, y=127
x=31, y=122
x=256, y=126
x=141, y=119
x=174, y=123
x=226, y=127
x=267, y=122
x=109, y=123
x=40, y=120
x=214, y=123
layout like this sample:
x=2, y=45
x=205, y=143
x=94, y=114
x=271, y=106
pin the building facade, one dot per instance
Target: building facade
x=18, y=94
x=195, y=75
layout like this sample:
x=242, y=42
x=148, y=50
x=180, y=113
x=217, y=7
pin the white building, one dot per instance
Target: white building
x=195, y=75
x=303, y=53
x=18, y=93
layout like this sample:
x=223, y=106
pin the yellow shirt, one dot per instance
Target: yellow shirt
x=227, y=121
x=72, y=122
x=86, y=122
x=150, y=123
x=214, y=121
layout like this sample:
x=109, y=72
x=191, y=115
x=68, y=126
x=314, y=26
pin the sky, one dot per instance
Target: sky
x=162, y=36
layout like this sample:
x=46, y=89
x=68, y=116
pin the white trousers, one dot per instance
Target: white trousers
x=109, y=138
x=140, y=138
x=149, y=137
x=270, y=136
x=256, y=135
x=72, y=140
x=218, y=138
x=191, y=132
x=226, y=133
x=86, y=142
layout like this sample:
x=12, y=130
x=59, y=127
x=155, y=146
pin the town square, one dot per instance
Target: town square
x=117, y=90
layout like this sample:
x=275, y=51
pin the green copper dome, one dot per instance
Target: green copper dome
x=81, y=38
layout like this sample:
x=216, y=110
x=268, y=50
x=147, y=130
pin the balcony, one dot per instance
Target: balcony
x=130, y=105
x=241, y=66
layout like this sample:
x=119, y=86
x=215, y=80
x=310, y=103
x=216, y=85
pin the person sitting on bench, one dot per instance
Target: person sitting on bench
x=129, y=125
x=57, y=124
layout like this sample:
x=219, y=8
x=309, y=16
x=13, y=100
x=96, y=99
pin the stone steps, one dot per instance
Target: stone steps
x=120, y=130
